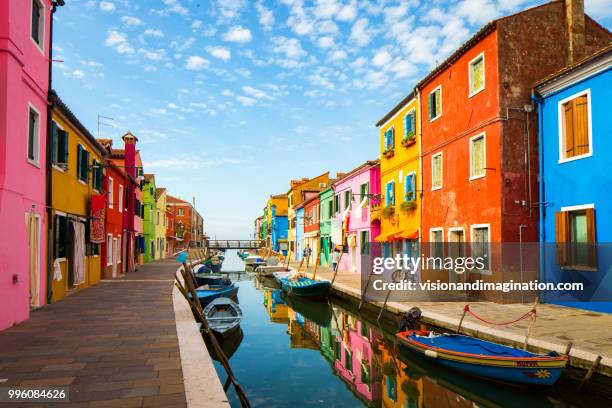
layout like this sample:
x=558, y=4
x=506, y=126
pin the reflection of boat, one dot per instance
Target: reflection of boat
x=211, y=292
x=223, y=316
x=305, y=287
x=229, y=344
x=267, y=282
x=485, y=359
x=317, y=312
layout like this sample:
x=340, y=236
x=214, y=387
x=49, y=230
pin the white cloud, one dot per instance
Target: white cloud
x=266, y=17
x=230, y=9
x=153, y=33
x=93, y=64
x=196, y=24
x=77, y=73
x=326, y=8
x=131, y=21
x=173, y=7
x=381, y=58
x=338, y=55
x=360, y=33
x=477, y=11
x=221, y=53
x=245, y=100
x=154, y=55
x=403, y=69
x=159, y=111
x=238, y=34
x=227, y=92
x=598, y=9
x=119, y=42
x=196, y=63
x=289, y=47
x=348, y=12
x=256, y=93
x=325, y=42
x=107, y=6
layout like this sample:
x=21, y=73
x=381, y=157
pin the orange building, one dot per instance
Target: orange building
x=188, y=223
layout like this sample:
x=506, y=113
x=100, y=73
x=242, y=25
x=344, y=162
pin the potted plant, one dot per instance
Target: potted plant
x=409, y=139
x=388, y=212
x=388, y=153
x=408, y=205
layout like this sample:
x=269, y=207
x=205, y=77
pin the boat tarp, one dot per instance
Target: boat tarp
x=471, y=345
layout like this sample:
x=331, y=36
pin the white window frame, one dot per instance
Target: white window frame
x=439, y=113
x=411, y=111
x=433, y=156
x=561, y=115
x=578, y=207
x=484, y=169
x=119, y=246
x=120, y=198
x=36, y=160
x=111, y=192
x=432, y=242
x=392, y=129
x=470, y=91
x=386, y=198
x=472, y=228
x=41, y=27
x=109, y=249
x=454, y=229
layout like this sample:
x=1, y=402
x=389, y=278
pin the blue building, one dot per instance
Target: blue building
x=575, y=122
x=279, y=226
x=299, y=233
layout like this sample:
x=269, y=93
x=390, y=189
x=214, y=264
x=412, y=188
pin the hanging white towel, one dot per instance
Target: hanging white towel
x=57, y=271
x=79, y=252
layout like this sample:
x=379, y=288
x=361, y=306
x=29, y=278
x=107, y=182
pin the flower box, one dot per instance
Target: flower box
x=408, y=205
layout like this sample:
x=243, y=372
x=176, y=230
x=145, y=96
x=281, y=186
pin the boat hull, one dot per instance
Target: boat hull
x=305, y=287
x=523, y=369
x=208, y=295
x=210, y=279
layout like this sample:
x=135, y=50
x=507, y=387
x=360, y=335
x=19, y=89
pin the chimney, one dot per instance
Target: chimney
x=574, y=13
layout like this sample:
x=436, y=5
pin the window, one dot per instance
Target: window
x=575, y=236
x=434, y=103
x=158, y=218
x=82, y=164
x=118, y=249
x=61, y=236
x=390, y=139
x=365, y=242
x=120, y=198
x=478, y=157
x=390, y=194
x=59, y=140
x=181, y=211
x=575, y=127
x=348, y=357
x=111, y=192
x=481, y=239
x=436, y=171
x=336, y=203
x=348, y=196
x=410, y=125
x=410, y=187
x=477, y=74
x=364, y=191
x=436, y=238
x=97, y=175
x=290, y=200
x=109, y=250
x=330, y=209
x=34, y=136
x=37, y=24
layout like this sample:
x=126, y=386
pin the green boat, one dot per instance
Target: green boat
x=305, y=287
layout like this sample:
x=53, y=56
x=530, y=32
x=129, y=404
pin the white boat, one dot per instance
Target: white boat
x=223, y=316
x=254, y=259
x=268, y=270
x=284, y=274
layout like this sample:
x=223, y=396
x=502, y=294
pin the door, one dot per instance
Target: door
x=115, y=256
x=456, y=249
x=33, y=226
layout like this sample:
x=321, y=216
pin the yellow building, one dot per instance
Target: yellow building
x=275, y=207
x=160, y=223
x=299, y=191
x=400, y=171
x=76, y=175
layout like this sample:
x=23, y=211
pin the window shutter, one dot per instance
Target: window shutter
x=54, y=142
x=406, y=124
x=580, y=124
x=413, y=186
x=562, y=237
x=591, y=238
x=569, y=129
x=430, y=105
x=79, y=162
x=438, y=101
x=406, y=186
x=412, y=122
x=85, y=163
x=63, y=143
x=392, y=144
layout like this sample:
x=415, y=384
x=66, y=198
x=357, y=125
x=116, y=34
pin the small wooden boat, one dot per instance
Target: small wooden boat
x=223, y=316
x=305, y=287
x=283, y=274
x=211, y=279
x=208, y=294
x=253, y=259
x=485, y=359
x=267, y=270
x=243, y=254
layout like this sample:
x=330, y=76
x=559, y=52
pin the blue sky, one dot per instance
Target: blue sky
x=231, y=99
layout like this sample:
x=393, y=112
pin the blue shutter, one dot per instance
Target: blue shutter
x=413, y=121
x=387, y=194
x=413, y=186
x=406, y=186
x=392, y=144
x=406, y=124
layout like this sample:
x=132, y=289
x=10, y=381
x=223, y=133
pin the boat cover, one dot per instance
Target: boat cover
x=470, y=345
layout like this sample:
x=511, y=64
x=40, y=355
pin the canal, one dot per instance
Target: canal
x=297, y=353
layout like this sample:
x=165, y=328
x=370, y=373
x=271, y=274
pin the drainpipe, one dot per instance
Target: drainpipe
x=49, y=154
x=418, y=111
x=542, y=200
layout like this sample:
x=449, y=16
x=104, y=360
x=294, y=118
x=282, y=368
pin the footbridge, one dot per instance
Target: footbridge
x=234, y=244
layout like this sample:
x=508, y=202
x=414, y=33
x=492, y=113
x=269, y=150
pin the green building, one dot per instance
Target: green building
x=148, y=222
x=326, y=198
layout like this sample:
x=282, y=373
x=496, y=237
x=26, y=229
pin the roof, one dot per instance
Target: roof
x=284, y=195
x=305, y=180
x=396, y=109
x=356, y=170
x=65, y=110
x=159, y=191
x=174, y=200
x=149, y=176
x=564, y=72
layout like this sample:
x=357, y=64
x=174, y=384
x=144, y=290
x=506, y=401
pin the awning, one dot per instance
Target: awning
x=386, y=237
x=406, y=234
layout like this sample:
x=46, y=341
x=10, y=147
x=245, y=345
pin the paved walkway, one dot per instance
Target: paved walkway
x=556, y=326
x=114, y=344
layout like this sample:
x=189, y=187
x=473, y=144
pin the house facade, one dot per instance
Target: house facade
x=170, y=234
x=574, y=114
x=326, y=213
x=24, y=85
x=150, y=214
x=400, y=206
x=480, y=163
x=77, y=164
x=275, y=223
x=139, y=245
x=299, y=232
x=312, y=208
x=111, y=251
x=160, y=223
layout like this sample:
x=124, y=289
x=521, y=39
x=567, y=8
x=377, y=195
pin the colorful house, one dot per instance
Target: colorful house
x=299, y=191
x=171, y=239
x=187, y=221
x=299, y=232
x=160, y=223
x=326, y=200
x=77, y=162
x=575, y=122
x=112, y=252
x=24, y=83
x=400, y=208
x=275, y=217
x=354, y=194
x=480, y=164
x=311, y=227
x=139, y=246
x=148, y=221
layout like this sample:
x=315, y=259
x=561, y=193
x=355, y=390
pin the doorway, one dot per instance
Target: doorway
x=33, y=226
x=456, y=249
x=115, y=256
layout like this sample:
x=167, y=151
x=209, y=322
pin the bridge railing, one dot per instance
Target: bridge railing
x=234, y=244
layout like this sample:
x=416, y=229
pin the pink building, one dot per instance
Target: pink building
x=354, y=195
x=24, y=85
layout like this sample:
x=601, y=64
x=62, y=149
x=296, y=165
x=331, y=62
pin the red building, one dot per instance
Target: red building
x=171, y=240
x=312, y=215
x=188, y=223
x=112, y=250
x=479, y=147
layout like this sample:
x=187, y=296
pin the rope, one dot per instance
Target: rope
x=531, y=313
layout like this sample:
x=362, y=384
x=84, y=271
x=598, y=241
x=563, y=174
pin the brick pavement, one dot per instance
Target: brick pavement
x=114, y=344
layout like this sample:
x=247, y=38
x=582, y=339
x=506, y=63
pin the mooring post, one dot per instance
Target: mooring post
x=465, y=310
x=337, y=268
x=568, y=348
x=589, y=373
x=364, y=291
x=532, y=322
x=314, y=272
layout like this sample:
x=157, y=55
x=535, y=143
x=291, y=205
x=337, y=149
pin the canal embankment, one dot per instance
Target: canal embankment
x=588, y=332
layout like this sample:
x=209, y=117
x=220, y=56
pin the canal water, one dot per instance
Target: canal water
x=297, y=353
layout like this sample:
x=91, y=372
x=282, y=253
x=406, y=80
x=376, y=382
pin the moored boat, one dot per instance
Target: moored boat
x=208, y=293
x=305, y=286
x=485, y=359
x=211, y=279
x=223, y=316
x=268, y=270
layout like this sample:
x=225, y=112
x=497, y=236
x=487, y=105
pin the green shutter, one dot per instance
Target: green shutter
x=54, y=142
x=86, y=166
x=63, y=139
x=79, y=162
x=430, y=106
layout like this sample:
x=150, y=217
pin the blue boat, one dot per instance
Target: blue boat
x=211, y=279
x=305, y=287
x=216, y=291
x=485, y=359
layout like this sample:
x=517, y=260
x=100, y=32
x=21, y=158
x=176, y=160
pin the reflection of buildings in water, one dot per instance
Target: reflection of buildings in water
x=276, y=307
x=398, y=389
x=298, y=330
x=354, y=361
